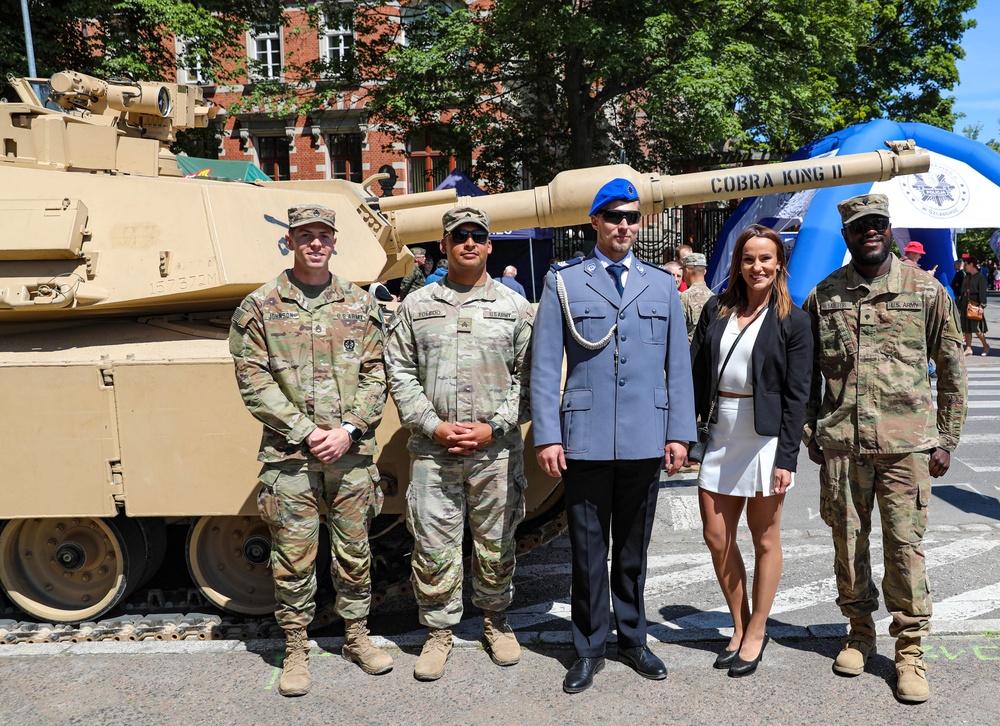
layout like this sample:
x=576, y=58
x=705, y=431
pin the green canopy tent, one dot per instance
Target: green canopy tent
x=217, y=169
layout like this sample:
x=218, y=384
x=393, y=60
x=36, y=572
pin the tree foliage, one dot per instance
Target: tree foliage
x=132, y=38
x=570, y=83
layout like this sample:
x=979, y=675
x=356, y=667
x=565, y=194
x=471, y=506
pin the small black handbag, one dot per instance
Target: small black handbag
x=698, y=448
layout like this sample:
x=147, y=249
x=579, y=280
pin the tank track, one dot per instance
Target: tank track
x=184, y=614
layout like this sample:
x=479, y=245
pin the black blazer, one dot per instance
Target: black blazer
x=782, y=363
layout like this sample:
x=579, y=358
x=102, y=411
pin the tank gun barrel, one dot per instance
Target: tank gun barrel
x=566, y=200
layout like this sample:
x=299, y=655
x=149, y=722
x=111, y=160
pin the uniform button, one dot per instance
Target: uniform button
x=623, y=338
x=654, y=310
x=621, y=381
x=586, y=310
x=468, y=389
x=621, y=316
x=624, y=360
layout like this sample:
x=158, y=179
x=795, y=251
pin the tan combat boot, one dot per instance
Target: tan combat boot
x=430, y=664
x=294, y=680
x=500, y=641
x=911, y=673
x=359, y=649
x=859, y=644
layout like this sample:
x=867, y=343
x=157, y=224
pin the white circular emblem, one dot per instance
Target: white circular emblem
x=591, y=267
x=940, y=193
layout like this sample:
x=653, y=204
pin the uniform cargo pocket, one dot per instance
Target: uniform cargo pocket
x=590, y=319
x=653, y=321
x=576, y=405
x=268, y=500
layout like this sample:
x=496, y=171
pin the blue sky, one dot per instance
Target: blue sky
x=978, y=95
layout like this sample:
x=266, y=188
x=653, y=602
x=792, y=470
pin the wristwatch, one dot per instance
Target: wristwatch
x=353, y=431
x=498, y=431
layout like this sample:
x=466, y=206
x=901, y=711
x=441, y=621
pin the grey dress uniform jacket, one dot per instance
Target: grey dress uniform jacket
x=624, y=409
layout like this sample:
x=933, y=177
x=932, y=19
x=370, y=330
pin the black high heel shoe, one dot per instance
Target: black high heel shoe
x=741, y=667
x=726, y=658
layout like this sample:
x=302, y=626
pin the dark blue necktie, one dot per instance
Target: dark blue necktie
x=616, y=271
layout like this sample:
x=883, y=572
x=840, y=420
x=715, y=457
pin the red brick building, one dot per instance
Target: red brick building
x=335, y=142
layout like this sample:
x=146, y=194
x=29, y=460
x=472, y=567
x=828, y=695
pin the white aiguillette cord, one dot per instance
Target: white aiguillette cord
x=581, y=341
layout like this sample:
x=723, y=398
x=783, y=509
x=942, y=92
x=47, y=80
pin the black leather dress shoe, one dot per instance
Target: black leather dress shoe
x=741, y=667
x=725, y=659
x=642, y=661
x=581, y=675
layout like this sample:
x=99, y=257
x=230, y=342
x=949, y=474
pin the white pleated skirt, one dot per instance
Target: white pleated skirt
x=738, y=461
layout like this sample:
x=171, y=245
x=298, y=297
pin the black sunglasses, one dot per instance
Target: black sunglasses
x=860, y=226
x=631, y=216
x=479, y=236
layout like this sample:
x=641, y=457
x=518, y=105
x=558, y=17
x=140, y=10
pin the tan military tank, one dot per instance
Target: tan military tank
x=119, y=406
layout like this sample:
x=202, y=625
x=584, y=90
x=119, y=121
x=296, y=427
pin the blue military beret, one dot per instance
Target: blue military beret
x=616, y=190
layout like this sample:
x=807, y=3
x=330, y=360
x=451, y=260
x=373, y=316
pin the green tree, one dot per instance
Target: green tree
x=132, y=38
x=973, y=131
x=541, y=85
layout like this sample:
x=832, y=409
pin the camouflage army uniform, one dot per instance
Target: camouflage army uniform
x=876, y=425
x=693, y=300
x=450, y=361
x=414, y=281
x=300, y=364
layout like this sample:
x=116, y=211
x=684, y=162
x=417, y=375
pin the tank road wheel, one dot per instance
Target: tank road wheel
x=229, y=560
x=68, y=569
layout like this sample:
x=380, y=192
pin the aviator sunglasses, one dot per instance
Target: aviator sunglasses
x=631, y=216
x=479, y=236
x=860, y=226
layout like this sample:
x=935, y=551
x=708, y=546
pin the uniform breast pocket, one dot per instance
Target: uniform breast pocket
x=576, y=412
x=653, y=321
x=590, y=319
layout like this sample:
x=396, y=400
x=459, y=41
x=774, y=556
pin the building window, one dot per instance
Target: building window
x=429, y=164
x=191, y=63
x=345, y=157
x=267, y=53
x=272, y=156
x=336, y=45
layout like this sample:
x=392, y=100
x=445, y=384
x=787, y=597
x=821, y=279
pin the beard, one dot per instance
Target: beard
x=874, y=258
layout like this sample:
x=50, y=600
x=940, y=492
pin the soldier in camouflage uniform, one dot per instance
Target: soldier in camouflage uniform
x=416, y=279
x=875, y=433
x=457, y=353
x=308, y=354
x=693, y=299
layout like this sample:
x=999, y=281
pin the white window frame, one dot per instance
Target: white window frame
x=272, y=35
x=327, y=34
x=184, y=72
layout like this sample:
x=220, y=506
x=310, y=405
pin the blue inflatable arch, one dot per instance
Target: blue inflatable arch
x=819, y=248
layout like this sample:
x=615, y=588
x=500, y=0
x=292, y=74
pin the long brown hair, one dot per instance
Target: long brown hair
x=734, y=297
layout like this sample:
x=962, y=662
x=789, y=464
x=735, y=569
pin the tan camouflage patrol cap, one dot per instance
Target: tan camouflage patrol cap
x=694, y=259
x=302, y=214
x=458, y=216
x=418, y=252
x=863, y=206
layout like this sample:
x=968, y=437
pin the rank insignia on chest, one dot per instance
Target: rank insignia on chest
x=465, y=325
x=349, y=346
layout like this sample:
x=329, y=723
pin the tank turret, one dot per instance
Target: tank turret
x=118, y=277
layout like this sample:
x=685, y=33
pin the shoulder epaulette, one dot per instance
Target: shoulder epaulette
x=651, y=266
x=567, y=263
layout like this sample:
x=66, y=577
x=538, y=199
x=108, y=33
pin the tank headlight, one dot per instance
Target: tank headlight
x=163, y=103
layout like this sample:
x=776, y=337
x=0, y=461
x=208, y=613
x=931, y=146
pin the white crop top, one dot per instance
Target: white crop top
x=738, y=376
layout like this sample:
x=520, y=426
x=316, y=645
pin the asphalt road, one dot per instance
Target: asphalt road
x=234, y=682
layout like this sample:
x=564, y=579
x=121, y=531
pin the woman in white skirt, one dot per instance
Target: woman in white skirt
x=761, y=344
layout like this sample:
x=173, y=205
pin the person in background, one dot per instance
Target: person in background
x=440, y=272
x=674, y=268
x=509, y=279
x=680, y=253
x=416, y=279
x=698, y=293
x=973, y=291
x=752, y=366
x=958, y=279
x=912, y=254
